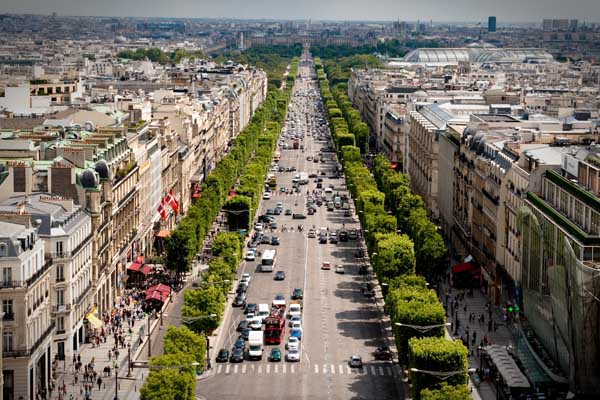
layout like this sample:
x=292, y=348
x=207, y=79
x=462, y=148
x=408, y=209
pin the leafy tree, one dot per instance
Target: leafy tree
x=436, y=354
x=184, y=341
x=170, y=383
x=395, y=256
x=181, y=246
x=447, y=392
x=203, y=303
x=350, y=154
x=429, y=244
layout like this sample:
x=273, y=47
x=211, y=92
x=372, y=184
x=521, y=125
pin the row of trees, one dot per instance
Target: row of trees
x=172, y=375
x=401, y=243
x=157, y=55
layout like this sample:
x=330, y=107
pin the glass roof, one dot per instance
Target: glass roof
x=480, y=55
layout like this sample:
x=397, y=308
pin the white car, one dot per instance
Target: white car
x=256, y=324
x=258, y=226
x=246, y=277
x=292, y=344
x=266, y=196
x=250, y=318
x=250, y=256
x=295, y=318
x=292, y=355
x=297, y=325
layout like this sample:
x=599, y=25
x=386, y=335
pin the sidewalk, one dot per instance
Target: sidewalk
x=476, y=305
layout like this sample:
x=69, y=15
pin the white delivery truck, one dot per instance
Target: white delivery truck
x=255, y=342
x=303, y=179
x=263, y=311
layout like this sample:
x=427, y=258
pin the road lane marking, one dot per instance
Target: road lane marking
x=227, y=368
x=268, y=368
x=341, y=369
x=283, y=368
x=348, y=368
x=316, y=368
x=260, y=369
x=373, y=372
x=235, y=369
x=244, y=369
x=276, y=368
x=292, y=368
x=324, y=368
x=219, y=368
x=381, y=371
x=332, y=369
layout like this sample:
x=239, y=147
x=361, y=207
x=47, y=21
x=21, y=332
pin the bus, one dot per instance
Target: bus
x=277, y=156
x=267, y=262
x=272, y=181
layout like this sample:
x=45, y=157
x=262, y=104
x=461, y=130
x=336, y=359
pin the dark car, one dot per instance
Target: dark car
x=223, y=355
x=239, y=344
x=242, y=288
x=237, y=356
x=343, y=236
x=352, y=234
x=333, y=239
x=323, y=239
x=274, y=241
x=250, y=308
x=311, y=211
x=279, y=276
x=383, y=353
x=275, y=355
x=243, y=324
x=347, y=213
x=277, y=211
x=279, y=297
x=265, y=239
x=240, y=300
x=297, y=294
x=319, y=185
x=299, y=216
x=245, y=333
x=270, y=211
x=288, y=212
x=363, y=270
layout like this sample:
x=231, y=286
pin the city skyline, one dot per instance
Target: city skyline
x=380, y=10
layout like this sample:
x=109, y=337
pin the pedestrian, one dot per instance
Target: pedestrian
x=109, y=355
x=99, y=381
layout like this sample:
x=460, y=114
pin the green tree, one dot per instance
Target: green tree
x=447, y=392
x=184, y=341
x=436, y=354
x=203, y=303
x=395, y=256
x=170, y=383
x=181, y=246
x=429, y=244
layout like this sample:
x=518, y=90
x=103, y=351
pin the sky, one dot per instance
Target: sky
x=409, y=10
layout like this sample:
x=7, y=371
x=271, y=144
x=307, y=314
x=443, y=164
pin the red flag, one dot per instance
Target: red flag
x=161, y=209
x=172, y=201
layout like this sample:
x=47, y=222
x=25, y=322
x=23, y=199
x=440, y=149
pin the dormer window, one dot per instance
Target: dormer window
x=3, y=250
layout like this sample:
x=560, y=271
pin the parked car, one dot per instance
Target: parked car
x=274, y=241
x=223, y=355
x=298, y=216
x=240, y=300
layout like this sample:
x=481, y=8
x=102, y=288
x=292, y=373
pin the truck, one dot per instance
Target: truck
x=296, y=144
x=263, y=311
x=272, y=181
x=255, y=342
x=274, y=328
x=303, y=178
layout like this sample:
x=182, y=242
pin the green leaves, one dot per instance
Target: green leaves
x=395, y=256
x=185, y=342
x=447, y=392
x=170, y=383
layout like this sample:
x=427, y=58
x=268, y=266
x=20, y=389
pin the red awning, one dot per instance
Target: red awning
x=134, y=266
x=139, y=259
x=146, y=269
x=464, y=267
x=161, y=288
x=158, y=292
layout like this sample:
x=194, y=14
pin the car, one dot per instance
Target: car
x=258, y=226
x=311, y=211
x=274, y=241
x=296, y=332
x=383, y=353
x=266, y=196
x=277, y=211
x=275, y=355
x=270, y=211
x=293, y=355
x=356, y=361
x=363, y=270
x=243, y=324
x=322, y=239
x=250, y=308
x=245, y=333
x=319, y=185
x=292, y=343
x=279, y=297
x=223, y=355
x=246, y=281
x=282, y=189
x=333, y=239
x=295, y=318
x=239, y=344
x=339, y=269
x=352, y=234
x=273, y=225
x=237, y=356
x=279, y=276
x=298, y=216
x=240, y=300
x=326, y=265
x=311, y=233
x=265, y=239
x=279, y=205
x=309, y=158
x=347, y=213
x=242, y=287
x=250, y=256
x=288, y=212
x=297, y=294
x=256, y=324
x=246, y=277
x=312, y=175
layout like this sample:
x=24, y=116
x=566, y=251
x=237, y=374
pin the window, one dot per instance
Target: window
x=59, y=248
x=7, y=276
x=3, y=250
x=60, y=297
x=7, y=342
x=8, y=309
x=60, y=270
x=60, y=324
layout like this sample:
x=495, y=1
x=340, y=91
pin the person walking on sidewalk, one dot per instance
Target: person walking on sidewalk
x=99, y=381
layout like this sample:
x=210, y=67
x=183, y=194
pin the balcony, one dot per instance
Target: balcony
x=69, y=254
x=9, y=317
x=38, y=274
x=32, y=349
x=60, y=308
x=83, y=294
x=10, y=284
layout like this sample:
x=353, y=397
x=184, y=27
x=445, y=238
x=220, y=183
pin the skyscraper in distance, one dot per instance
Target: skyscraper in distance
x=492, y=24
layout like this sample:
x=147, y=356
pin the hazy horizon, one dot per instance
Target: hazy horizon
x=341, y=10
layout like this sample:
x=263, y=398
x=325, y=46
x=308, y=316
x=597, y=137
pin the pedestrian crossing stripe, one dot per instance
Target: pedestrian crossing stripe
x=324, y=369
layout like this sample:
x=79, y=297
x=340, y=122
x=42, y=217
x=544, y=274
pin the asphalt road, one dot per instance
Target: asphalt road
x=338, y=321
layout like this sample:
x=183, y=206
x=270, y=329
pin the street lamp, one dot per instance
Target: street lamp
x=443, y=375
x=423, y=328
x=190, y=319
x=129, y=360
x=116, y=368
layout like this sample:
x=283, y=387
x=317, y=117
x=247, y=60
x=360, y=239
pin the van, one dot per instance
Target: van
x=263, y=311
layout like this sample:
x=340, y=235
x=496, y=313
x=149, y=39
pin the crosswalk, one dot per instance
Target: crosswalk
x=320, y=369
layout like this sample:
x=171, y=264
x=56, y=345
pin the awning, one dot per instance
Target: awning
x=146, y=269
x=507, y=367
x=464, y=267
x=92, y=319
x=161, y=288
x=139, y=259
x=134, y=267
x=158, y=292
x=163, y=233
